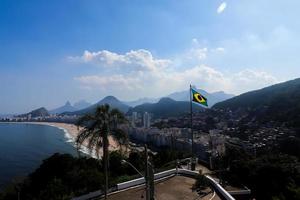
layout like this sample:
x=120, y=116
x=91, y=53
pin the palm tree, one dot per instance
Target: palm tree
x=97, y=127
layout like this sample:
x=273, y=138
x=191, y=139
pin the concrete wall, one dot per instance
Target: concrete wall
x=140, y=181
x=219, y=189
x=164, y=174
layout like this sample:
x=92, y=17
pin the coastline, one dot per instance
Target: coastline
x=71, y=131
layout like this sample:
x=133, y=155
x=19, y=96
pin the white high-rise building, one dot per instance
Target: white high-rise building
x=133, y=118
x=29, y=117
x=146, y=120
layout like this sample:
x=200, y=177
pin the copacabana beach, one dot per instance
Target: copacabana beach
x=23, y=146
x=71, y=132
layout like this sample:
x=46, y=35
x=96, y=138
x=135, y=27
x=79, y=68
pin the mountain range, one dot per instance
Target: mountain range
x=178, y=100
x=212, y=98
x=81, y=104
x=65, y=108
x=165, y=107
x=141, y=101
x=280, y=102
x=69, y=108
x=40, y=112
x=111, y=100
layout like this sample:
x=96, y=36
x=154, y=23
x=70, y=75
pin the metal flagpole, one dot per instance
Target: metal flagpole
x=147, y=181
x=192, y=134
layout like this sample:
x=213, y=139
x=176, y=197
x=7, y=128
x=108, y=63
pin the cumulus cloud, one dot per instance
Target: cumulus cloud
x=221, y=7
x=158, y=83
x=249, y=76
x=140, y=60
x=197, y=53
x=251, y=79
x=110, y=82
x=148, y=76
x=219, y=49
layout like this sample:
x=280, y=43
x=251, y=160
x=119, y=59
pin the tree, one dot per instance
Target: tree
x=96, y=130
x=201, y=183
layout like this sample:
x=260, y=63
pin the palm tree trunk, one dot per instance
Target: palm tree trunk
x=105, y=159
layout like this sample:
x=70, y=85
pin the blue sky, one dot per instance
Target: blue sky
x=59, y=50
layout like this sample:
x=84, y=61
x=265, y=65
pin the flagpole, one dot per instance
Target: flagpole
x=192, y=134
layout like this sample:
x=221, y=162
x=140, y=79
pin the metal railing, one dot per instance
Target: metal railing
x=158, y=176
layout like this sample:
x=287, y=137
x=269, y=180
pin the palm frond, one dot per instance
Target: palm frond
x=97, y=127
x=120, y=136
x=84, y=120
x=118, y=116
x=95, y=143
x=82, y=136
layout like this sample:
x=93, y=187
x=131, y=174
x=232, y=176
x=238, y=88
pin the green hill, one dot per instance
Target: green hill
x=111, y=100
x=40, y=112
x=166, y=107
x=280, y=102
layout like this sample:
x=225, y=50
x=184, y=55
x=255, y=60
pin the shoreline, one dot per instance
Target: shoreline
x=71, y=131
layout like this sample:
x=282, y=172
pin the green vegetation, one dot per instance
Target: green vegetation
x=110, y=100
x=36, y=113
x=269, y=176
x=59, y=177
x=290, y=146
x=166, y=107
x=201, y=183
x=96, y=129
x=275, y=173
x=63, y=176
x=280, y=103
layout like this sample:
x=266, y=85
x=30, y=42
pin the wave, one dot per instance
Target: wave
x=70, y=139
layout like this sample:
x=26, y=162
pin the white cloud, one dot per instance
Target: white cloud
x=219, y=49
x=249, y=75
x=140, y=84
x=155, y=83
x=251, y=79
x=109, y=82
x=195, y=42
x=140, y=60
x=197, y=53
x=222, y=7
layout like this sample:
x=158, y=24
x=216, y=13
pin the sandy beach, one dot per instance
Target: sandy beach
x=72, y=132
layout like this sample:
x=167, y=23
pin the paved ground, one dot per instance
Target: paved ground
x=201, y=167
x=204, y=169
x=175, y=188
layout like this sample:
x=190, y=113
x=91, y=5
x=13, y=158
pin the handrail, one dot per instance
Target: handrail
x=158, y=176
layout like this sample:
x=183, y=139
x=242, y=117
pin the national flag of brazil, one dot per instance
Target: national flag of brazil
x=198, y=98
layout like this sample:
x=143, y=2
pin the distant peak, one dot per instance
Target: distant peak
x=219, y=92
x=109, y=99
x=68, y=103
x=41, y=108
x=165, y=99
x=81, y=101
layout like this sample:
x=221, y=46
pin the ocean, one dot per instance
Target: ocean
x=23, y=147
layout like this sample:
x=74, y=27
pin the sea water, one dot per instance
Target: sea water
x=23, y=147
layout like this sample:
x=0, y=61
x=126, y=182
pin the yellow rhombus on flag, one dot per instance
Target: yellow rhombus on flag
x=198, y=98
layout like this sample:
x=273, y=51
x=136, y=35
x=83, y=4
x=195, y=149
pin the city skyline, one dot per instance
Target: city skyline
x=73, y=50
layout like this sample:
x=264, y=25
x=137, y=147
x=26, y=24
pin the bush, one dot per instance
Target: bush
x=201, y=183
x=61, y=176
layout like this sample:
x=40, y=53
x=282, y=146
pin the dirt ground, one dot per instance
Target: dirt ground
x=175, y=188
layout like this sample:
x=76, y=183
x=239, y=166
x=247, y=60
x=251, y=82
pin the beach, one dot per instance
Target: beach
x=71, y=132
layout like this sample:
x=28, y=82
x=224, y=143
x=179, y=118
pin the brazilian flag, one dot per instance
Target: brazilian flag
x=198, y=98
